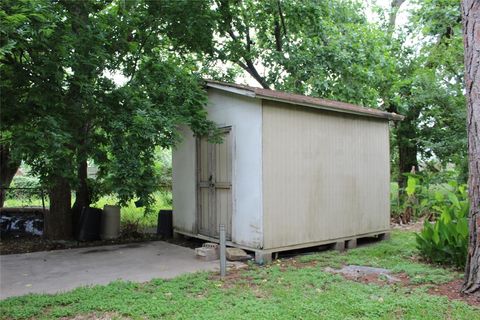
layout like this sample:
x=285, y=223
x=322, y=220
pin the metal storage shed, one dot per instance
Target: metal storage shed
x=292, y=172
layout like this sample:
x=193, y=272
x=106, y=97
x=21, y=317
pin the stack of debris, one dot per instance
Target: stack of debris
x=208, y=252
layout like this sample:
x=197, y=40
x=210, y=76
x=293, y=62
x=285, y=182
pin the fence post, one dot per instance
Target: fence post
x=223, y=258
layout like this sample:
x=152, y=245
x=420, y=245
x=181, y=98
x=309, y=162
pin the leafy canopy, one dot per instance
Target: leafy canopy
x=60, y=106
x=331, y=49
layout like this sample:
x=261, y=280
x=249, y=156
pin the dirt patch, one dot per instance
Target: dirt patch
x=287, y=263
x=452, y=291
x=403, y=279
x=233, y=276
x=34, y=244
x=415, y=226
x=365, y=272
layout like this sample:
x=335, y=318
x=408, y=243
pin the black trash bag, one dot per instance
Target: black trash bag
x=165, y=224
x=89, y=224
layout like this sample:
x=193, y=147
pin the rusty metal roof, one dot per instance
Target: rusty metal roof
x=298, y=99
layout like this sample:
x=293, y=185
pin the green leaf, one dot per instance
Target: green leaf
x=454, y=199
x=411, y=185
x=436, y=237
x=439, y=196
x=462, y=227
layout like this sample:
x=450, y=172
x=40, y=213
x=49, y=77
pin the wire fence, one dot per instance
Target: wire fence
x=22, y=197
x=18, y=216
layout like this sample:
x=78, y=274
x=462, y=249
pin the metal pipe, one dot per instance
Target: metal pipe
x=223, y=256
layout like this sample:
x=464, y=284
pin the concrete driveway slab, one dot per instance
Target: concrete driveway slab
x=63, y=270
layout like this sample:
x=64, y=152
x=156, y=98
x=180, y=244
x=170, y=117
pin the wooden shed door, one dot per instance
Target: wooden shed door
x=214, y=163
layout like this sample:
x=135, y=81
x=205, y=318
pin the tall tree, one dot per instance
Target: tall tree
x=330, y=49
x=471, y=33
x=15, y=67
x=320, y=48
x=72, y=110
x=441, y=125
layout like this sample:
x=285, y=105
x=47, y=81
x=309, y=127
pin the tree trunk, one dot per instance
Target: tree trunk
x=83, y=73
x=82, y=195
x=58, y=221
x=407, y=149
x=8, y=168
x=471, y=33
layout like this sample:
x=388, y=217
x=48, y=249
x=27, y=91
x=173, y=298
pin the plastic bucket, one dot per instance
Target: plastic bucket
x=110, y=225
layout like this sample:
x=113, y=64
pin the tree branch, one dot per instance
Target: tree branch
x=139, y=51
x=249, y=41
x=278, y=36
x=394, y=7
x=248, y=65
x=250, y=68
x=282, y=19
x=254, y=73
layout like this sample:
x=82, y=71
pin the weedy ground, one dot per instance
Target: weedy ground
x=297, y=287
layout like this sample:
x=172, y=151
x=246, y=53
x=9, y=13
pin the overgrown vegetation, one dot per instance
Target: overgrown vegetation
x=133, y=213
x=443, y=204
x=446, y=240
x=24, y=188
x=422, y=193
x=279, y=291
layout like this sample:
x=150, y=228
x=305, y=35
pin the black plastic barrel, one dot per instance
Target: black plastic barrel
x=89, y=224
x=165, y=224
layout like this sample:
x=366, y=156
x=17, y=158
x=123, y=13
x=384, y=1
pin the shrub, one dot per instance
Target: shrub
x=420, y=195
x=446, y=240
x=413, y=201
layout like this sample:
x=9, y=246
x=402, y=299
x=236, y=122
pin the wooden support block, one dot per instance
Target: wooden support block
x=262, y=257
x=351, y=244
x=236, y=254
x=384, y=236
x=340, y=246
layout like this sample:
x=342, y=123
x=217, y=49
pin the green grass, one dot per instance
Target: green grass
x=129, y=213
x=35, y=201
x=278, y=291
x=133, y=214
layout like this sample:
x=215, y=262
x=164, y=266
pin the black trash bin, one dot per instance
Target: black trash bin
x=165, y=224
x=89, y=224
